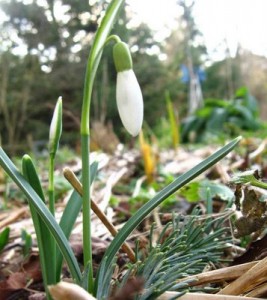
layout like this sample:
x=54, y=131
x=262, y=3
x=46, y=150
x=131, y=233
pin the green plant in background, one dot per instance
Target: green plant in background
x=249, y=177
x=52, y=237
x=194, y=191
x=149, y=158
x=174, y=122
x=167, y=129
x=27, y=242
x=4, y=236
x=218, y=117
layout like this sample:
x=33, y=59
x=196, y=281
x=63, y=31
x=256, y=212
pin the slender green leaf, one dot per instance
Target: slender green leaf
x=133, y=222
x=44, y=237
x=4, y=236
x=30, y=173
x=44, y=213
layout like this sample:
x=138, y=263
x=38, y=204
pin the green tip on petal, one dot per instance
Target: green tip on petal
x=55, y=128
x=122, y=57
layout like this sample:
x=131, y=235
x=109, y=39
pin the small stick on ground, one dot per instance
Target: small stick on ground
x=74, y=181
x=13, y=217
x=223, y=274
x=199, y=296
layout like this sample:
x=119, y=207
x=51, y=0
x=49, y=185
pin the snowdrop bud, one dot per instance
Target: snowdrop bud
x=55, y=128
x=69, y=291
x=128, y=93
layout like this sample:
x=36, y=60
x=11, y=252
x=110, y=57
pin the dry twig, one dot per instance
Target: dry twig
x=253, y=277
x=223, y=274
x=13, y=217
x=199, y=296
x=70, y=176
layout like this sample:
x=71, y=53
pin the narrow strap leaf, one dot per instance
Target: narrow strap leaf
x=44, y=238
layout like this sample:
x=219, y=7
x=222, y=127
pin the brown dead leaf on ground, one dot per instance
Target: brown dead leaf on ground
x=29, y=272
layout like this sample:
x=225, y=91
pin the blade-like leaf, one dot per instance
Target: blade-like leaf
x=44, y=238
x=44, y=213
x=133, y=222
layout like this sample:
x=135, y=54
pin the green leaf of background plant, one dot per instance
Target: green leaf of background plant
x=204, y=112
x=219, y=190
x=217, y=118
x=190, y=191
x=27, y=239
x=197, y=190
x=143, y=212
x=4, y=236
x=216, y=103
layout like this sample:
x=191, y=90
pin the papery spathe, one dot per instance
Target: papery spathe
x=130, y=101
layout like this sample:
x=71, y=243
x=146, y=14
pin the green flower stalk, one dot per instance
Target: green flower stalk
x=54, y=137
x=99, y=42
x=128, y=93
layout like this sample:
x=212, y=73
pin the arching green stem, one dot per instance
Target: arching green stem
x=92, y=65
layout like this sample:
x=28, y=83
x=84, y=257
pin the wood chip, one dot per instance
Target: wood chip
x=13, y=217
x=258, y=291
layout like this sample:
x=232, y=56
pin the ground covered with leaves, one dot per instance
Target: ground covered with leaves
x=207, y=240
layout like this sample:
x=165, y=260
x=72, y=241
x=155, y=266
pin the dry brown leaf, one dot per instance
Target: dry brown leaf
x=19, y=280
x=128, y=292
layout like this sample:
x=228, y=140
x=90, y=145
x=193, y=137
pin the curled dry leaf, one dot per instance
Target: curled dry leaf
x=132, y=287
x=69, y=291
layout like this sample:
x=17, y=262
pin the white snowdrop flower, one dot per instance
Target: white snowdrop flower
x=128, y=93
x=69, y=291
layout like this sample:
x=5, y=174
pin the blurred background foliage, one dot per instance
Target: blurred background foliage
x=219, y=118
x=57, y=47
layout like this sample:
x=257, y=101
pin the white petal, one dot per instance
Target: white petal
x=69, y=291
x=130, y=101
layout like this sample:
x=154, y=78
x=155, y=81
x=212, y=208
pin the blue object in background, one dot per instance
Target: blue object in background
x=201, y=74
x=185, y=77
x=185, y=74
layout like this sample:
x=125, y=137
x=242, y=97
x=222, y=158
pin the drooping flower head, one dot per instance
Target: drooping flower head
x=128, y=93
